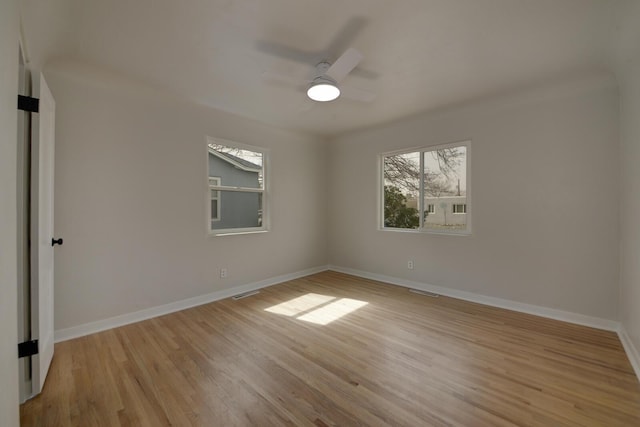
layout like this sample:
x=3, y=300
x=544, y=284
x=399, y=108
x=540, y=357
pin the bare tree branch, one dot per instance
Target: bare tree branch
x=403, y=172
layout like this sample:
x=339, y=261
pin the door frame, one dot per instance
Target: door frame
x=23, y=195
x=35, y=160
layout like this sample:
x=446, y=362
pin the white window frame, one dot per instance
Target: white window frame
x=212, y=187
x=431, y=208
x=220, y=188
x=421, y=210
x=454, y=209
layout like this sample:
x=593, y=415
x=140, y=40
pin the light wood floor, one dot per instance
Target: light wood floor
x=402, y=359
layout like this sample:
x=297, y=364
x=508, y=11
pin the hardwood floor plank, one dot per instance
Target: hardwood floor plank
x=333, y=349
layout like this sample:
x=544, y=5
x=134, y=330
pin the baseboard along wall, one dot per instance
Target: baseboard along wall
x=632, y=352
x=565, y=316
x=137, y=316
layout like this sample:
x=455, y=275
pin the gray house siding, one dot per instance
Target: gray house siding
x=237, y=210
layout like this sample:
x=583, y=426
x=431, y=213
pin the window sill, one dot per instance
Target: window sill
x=236, y=233
x=421, y=231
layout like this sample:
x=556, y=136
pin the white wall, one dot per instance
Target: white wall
x=627, y=65
x=131, y=188
x=544, y=196
x=9, y=35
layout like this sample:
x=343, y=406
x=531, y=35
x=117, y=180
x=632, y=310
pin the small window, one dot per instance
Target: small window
x=460, y=208
x=237, y=186
x=423, y=188
x=215, y=198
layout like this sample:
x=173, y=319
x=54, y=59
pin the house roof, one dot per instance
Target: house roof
x=236, y=161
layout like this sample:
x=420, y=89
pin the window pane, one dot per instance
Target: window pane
x=215, y=215
x=459, y=208
x=401, y=190
x=239, y=167
x=238, y=210
x=445, y=187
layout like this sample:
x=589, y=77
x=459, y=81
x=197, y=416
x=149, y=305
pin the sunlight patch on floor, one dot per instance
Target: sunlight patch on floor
x=317, y=308
x=298, y=305
x=333, y=311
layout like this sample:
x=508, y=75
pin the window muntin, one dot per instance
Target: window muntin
x=424, y=188
x=237, y=187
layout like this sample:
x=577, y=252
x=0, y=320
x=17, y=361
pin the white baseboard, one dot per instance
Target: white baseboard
x=595, y=322
x=632, y=352
x=137, y=316
x=565, y=316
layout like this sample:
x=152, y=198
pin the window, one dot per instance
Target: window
x=236, y=188
x=460, y=208
x=215, y=198
x=416, y=182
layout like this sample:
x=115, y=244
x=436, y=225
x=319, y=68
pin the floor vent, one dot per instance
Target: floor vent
x=429, y=294
x=244, y=295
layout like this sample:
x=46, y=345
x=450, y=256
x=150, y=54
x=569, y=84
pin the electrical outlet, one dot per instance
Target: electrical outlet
x=410, y=265
x=224, y=273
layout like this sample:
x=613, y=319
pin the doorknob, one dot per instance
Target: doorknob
x=56, y=242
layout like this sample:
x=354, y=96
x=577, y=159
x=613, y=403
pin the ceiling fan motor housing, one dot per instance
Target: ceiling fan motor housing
x=321, y=69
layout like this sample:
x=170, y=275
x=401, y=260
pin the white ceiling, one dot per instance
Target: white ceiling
x=419, y=54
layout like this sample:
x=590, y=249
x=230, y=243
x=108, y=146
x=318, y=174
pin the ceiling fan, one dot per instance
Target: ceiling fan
x=324, y=86
x=326, y=82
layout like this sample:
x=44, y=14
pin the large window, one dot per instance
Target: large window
x=236, y=188
x=427, y=189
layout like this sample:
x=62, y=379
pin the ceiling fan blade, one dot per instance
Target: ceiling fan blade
x=347, y=35
x=272, y=77
x=357, y=94
x=287, y=52
x=343, y=66
x=277, y=78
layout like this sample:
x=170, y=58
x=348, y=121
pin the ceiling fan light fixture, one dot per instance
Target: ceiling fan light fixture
x=323, y=90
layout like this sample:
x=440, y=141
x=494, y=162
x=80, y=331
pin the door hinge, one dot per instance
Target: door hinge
x=27, y=348
x=27, y=103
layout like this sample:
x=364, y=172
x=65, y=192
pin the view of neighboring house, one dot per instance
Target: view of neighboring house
x=435, y=175
x=446, y=211
x=440, y=213
x=234, y=209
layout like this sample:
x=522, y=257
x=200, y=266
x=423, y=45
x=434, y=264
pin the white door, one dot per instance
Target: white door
x=42, y=171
